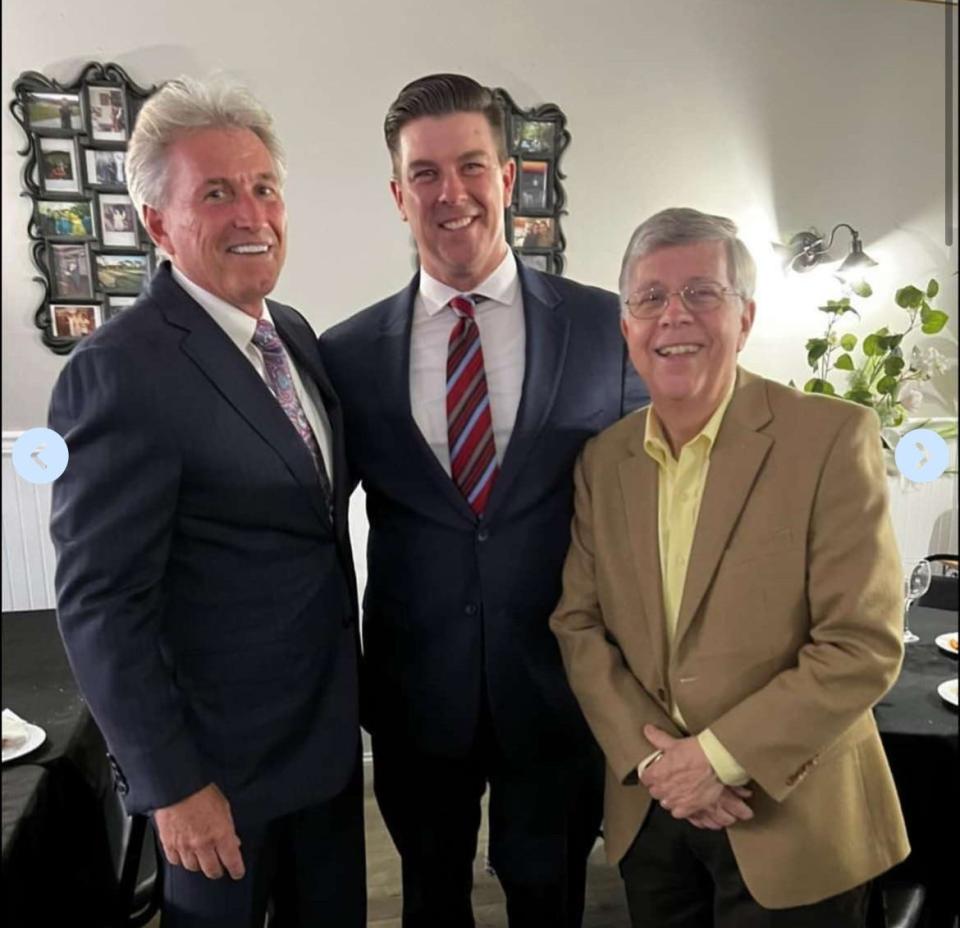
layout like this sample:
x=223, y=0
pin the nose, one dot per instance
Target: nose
x=250, y=212
x=452, y=189
x=675, y=312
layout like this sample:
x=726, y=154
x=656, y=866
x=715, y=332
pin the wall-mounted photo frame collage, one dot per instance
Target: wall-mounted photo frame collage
x=92, y=255
x=536, y=139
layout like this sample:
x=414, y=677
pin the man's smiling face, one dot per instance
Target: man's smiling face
x=452, y=189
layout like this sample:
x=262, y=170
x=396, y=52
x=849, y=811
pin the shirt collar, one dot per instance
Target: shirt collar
x=657, y=446
x=500, y=287
x=238, y=325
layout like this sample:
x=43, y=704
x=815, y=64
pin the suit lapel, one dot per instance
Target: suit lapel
x=639, y=482
x=547, y=332
x=735, y=461
x=234, y=377
x=393, y=370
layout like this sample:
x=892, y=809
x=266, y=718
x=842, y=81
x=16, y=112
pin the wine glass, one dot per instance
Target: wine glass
x=916, y=582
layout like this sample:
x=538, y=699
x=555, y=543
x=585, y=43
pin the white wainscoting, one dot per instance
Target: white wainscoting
x=28, y=559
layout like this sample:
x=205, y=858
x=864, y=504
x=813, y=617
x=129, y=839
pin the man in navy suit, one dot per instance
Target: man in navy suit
x=466, y=397
x=206, y=593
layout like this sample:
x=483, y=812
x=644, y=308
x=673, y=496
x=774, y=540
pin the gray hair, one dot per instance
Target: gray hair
x=684, y=226
x=186, y=105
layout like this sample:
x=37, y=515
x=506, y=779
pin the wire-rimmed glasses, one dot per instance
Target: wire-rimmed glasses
x=697, y=298
x=916, y=582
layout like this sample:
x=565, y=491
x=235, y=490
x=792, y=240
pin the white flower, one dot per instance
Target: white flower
x=927, y=363
x=910, y=398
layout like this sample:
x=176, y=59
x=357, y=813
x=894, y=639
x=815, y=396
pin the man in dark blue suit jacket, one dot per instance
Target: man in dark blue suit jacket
x=463, y=684
x=206, y=593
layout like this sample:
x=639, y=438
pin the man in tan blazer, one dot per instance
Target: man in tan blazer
x=730, y=613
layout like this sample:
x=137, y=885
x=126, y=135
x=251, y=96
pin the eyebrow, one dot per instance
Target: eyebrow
x=471, y=155
x=220, y=181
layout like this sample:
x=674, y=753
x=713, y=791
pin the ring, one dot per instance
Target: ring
x=656, y=757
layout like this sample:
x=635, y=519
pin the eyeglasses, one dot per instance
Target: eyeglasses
x=697, y=298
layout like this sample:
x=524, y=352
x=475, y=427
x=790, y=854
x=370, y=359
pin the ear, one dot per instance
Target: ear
x=623, y=326
x=746, y=323
x=509, y=172
x=154, y=224
x=397, y=192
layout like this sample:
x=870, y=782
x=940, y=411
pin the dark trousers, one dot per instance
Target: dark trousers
x=544, y=819
x=308, y=865
x=680, y=876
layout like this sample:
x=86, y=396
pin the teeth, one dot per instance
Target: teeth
x=249, y=249
x=678, y=349
x=454, y=224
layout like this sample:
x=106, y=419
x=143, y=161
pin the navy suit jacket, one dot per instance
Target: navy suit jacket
x=205, y=598
x=456, y=607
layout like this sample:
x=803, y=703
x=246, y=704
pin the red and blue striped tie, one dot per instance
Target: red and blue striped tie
x=473, y=454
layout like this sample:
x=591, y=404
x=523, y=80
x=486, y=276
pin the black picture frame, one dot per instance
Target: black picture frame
x=73, y=319
x=108, y=114
x=58, y=166
x=103, y=168
x=536, y=140
x=116, y=221
x=116, y=303
x=47, y=109
x=71, y=270
x=114, y=272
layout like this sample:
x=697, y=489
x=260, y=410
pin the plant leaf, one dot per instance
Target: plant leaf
x=909, y=297
x=893, y=366
x=859, y=395
x=862, y=288
x=844, y=363
x=816, y=349
x=848, y=342
x=933, y=288
x=817, y=385
x=934, y=322
x=871, y=345
x=888, y=385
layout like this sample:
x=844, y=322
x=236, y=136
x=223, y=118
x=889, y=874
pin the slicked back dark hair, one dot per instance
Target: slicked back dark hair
x=442, y=95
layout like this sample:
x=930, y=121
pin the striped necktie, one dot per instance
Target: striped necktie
x=473, y=454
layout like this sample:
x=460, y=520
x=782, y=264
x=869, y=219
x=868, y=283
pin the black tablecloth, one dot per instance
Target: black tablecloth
x=57, y=866
x=919, y=732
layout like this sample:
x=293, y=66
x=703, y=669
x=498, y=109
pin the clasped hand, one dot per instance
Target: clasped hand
x=197, y=833
x=685, y=784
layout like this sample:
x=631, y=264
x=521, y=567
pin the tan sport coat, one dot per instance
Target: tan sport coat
x=789, y=631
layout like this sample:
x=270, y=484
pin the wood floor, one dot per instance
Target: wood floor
x=606, y=907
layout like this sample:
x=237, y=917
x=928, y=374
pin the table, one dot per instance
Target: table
x=919, y=732
x=55, y=840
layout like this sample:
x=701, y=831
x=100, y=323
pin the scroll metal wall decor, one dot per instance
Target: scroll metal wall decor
x=92, y=254
x=536, y=138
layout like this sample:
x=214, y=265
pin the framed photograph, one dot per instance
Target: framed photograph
x=53, y=112
x=70, y=275
x=117, y=220
x=533, y=137
x=537, y=262
x=58, y=167
x=65, y=219
x=117, y=304
x=104, y=169
x=107, y=112
x=121, y=273
x=534, y=232
x=533, y=186
x=74, y=320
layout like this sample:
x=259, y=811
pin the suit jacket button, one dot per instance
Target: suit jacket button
x=483, y=535
x=470, y=609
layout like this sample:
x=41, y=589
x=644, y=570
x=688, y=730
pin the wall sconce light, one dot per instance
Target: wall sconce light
x=807, y=249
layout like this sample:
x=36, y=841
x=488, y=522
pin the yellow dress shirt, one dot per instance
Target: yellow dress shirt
x=680, y=489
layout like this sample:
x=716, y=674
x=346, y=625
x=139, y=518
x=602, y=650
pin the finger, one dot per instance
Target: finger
x=173, y=858
x=742, y=791
x=659, y=739
x=209, y=863
x=188, y=860
x=722, y=817
x=232, y=859
x=706, y=821
x=737, y=808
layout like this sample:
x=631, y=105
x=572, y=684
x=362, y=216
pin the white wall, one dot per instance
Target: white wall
x=778, y=113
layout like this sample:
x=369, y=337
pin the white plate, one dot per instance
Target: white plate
x=943, y=643
x=948, y=691
x=35, y=737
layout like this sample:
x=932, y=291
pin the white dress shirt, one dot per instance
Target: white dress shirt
x=503, y=339
x=239, y=328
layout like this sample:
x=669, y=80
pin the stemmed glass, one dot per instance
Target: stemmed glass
x=916, y=582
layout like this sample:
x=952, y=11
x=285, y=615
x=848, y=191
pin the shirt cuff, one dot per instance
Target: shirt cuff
x=724, y=764
x=646, y=762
